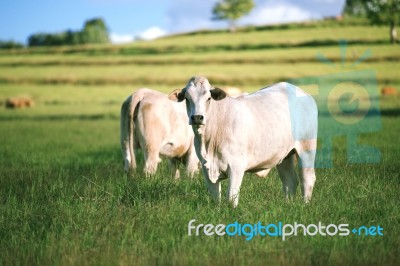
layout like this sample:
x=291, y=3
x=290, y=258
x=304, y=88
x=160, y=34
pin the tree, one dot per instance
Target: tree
x=72, y=37
x=231, y=10
x=380, y=12
x=355, y=8
x=37, y=39
x=384, y=12
x=95, y=31
x=10, y=45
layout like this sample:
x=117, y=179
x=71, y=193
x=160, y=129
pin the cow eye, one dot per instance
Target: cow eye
x=209, y=98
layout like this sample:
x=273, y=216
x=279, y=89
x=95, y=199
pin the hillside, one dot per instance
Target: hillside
x=250, y=58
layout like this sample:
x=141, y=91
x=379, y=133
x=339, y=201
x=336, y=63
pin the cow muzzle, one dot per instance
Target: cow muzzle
x=197, y=120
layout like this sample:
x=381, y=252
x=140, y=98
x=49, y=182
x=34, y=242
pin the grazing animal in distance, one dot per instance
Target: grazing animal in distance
x=388, y=91
x=274, y=126
x=19, y=102
x=151, y=122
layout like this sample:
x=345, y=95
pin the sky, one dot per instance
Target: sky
x=147, y=19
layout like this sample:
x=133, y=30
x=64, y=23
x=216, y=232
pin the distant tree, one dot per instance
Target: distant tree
x=37, y=39
x=380, y=12
x=73, y=37
x=56, y=39
x=45, y=39
x=231, y=10
x=384, y=12
x=355, y=8
x=95, y=31
x=10, y=45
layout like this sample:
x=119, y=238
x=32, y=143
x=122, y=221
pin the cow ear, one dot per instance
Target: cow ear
x=177, y=95
x=217, y=94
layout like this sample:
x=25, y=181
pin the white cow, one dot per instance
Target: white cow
x=252, y=133
x=159, y=126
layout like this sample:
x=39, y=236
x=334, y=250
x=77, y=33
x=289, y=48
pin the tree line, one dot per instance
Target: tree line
x=94, y=31
x=10, y=45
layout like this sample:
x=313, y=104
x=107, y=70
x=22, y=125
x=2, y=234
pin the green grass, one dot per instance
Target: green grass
x=249, y=76
x=261, y=56
x=64, y=198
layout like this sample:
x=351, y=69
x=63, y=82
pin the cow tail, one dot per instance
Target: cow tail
x=128, y=129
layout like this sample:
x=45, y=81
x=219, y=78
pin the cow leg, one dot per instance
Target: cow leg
x=235, y=181
x=307, y=174
x=213, y=188
x=307, y=159
x=152, y=159
x=174, y=167
x=192, y=163
x=150, y=139
x=287, y=173
x=308, y=179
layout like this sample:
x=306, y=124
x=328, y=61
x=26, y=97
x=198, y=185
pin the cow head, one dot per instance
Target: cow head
x=198, y=94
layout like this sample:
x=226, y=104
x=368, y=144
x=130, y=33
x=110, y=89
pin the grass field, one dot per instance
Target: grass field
x=65, y=200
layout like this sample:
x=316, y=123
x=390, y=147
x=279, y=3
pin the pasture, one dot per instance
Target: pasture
x=64, y=198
